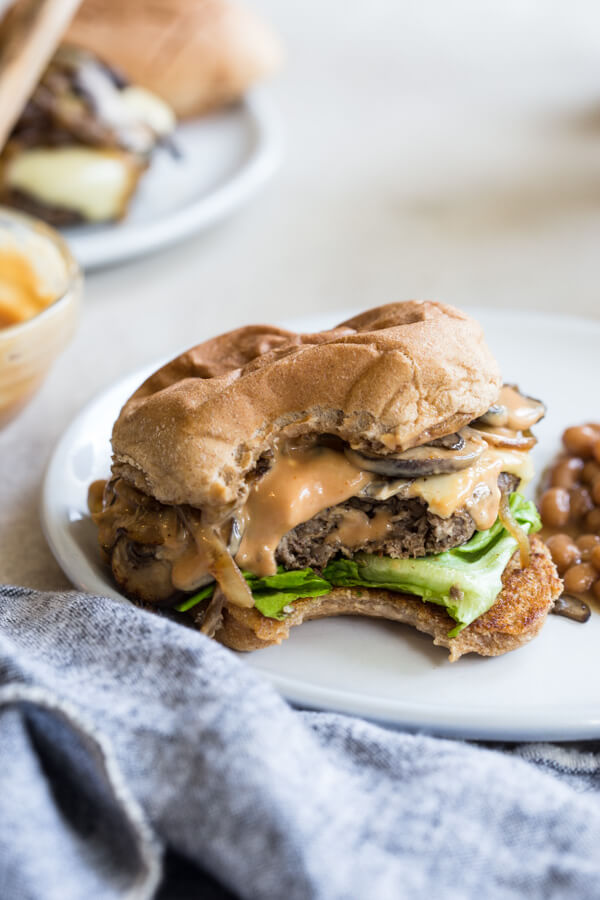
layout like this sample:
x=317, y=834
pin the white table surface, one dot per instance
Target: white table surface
x=433, y=150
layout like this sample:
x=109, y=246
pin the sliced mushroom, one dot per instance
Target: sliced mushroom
x=210, y=619
x=496, y=416
x=449, y=442
x=428, y=459
x=513, y=410
x=571, y=608
x=523, y=411
x=140, y=572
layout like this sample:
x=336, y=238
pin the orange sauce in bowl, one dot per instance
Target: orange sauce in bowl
x=21, y=295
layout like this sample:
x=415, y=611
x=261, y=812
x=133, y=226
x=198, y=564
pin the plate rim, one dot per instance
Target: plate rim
x=141, y=239
x=581, y=723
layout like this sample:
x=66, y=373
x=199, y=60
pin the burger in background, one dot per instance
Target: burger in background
x=110, y=96
x=196, y=56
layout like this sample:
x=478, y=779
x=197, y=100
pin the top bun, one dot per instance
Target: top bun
x=389, y=379
x=195, y=55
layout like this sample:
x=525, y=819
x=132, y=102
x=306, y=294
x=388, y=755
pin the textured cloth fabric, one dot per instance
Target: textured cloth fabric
x=141, y=759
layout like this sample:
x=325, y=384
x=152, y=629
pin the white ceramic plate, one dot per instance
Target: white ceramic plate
x=549, y=689
x=224, y=158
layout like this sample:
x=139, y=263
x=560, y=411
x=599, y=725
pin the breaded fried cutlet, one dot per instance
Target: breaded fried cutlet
x=516, y=617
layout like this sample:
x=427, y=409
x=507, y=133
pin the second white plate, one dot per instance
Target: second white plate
x=224, y=158
x=384, y=671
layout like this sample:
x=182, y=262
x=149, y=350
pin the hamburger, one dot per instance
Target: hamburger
x=196, y=56
x=265, y=478
x=82, y=143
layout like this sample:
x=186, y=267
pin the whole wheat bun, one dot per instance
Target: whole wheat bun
x=391, y=378
x=516, y=617
x=196, y=55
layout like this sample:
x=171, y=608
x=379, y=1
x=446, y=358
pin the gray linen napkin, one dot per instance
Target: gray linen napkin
x=127, y=740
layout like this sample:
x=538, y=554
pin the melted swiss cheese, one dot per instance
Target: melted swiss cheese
x=475, y=487
x=93, y=182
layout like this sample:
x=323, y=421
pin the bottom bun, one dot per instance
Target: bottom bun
x=516, y=617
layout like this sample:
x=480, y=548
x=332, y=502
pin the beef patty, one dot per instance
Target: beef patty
x=414, y=532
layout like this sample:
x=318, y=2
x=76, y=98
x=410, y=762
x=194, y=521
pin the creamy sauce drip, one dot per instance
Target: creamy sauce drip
x=21, y=295
x=356, y=529
x=522, y=412
x=190, y=569
x=298, y=486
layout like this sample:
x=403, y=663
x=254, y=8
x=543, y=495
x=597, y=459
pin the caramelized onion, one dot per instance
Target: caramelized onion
x=219, y=561
x=505, y=437
x=213, y=615
x=95, y=495
x=454, y=441
x=514, y=529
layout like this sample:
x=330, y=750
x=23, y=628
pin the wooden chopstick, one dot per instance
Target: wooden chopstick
x=29, y=35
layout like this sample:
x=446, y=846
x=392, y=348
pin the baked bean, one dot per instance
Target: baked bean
x=564, y=551
x=590, y=471
x=580, y=440
x=581, y=503
x=586, y=543
x=592, y=520
x=575, y=473
x=595, y=558
x=555, y=507
x=579, y=579
x=567, y=472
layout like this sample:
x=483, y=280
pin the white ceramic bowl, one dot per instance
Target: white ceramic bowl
x=28, y=348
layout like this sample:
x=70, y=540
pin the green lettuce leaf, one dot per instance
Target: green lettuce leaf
x=466, y=580
x=273, y=592
x=195, y=599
